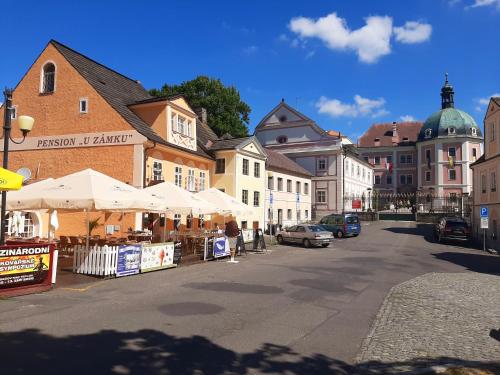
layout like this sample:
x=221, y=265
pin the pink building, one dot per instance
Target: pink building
x=391, y=148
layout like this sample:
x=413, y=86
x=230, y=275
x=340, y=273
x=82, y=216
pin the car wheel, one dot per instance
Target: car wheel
x=279, y=238
x=340, y=234
x=325, y=244
x=306, y=243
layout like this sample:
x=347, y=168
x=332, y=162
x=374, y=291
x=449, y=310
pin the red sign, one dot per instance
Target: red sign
x=25, y=268
x=356, y=204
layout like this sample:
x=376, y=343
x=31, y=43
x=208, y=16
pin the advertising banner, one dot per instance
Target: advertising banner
x=129, y=260
x=356, y=204
x=220, y=248
x=157, y=256
x=25, y=265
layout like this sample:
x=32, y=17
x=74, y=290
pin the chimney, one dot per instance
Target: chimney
x=202, y=114
x=395, y=137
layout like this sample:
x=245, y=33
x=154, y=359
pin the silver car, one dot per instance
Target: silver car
x=306, y=234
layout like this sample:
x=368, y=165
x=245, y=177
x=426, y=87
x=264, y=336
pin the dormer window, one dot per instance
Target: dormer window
x=473, y=131
x=282, y=139
x=452, y=131
x=48, y=78
x=84, y=105
x=428, y=133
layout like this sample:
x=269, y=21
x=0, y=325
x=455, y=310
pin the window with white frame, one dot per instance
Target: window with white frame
x=297, y=187
x=244, y=196
x=321, y=196
x=24, y=228
x=181, y=124
x=202, y=181
x=452, y=131
x=189, y=129
x=493, y=181
x=280, y=184
x=306, y=188
x=190, y=180
x=288, y=186
x=452, y=174
x=173, y=122
x=245, y=168
x=321, y=164
x=256, y=199
x=48, y=78
x=270, y=182
x=157, y=171
x=452, y=151
x=178, y=176
x=84, y=105
x=256, y=169
x=289, y=214
x=473, y=131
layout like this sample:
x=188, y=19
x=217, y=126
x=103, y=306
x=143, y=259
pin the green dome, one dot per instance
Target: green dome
x=449, y=122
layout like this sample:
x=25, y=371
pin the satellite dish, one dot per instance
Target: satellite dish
x=25, y=172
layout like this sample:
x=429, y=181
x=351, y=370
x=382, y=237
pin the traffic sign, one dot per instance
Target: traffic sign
x=484, y=223
x=271, y=198
x=484, y=212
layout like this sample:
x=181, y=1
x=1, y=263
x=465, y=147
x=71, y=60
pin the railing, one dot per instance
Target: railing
x=96, y=260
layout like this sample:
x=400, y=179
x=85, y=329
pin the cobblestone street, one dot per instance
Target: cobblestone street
x=444, y=317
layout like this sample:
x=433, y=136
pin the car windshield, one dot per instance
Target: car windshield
x=315, y=228
x=352, y=220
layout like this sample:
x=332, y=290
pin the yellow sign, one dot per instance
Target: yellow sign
x=451, y=162
x=10, y=180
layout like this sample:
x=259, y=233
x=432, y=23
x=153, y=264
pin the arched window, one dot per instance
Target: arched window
x=48, y=78
x=282, y=139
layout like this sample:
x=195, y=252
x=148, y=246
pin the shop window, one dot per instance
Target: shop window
x=177, y=221
x=321, y=164
x=452, y=174
x=289, y=214
x=280, y=184
x=48, y=78
x=244, y=196
x=321, y=196
x=201, y=186
x=256, y=199
x=306, y=188
x=483, y=183
x=178, y=176
x=270, y=183
x=220, y=166
x=157, y=171
x=84, y=105
x=256, y=170
x=493, y=181
x=288, y=186
x=245, y=167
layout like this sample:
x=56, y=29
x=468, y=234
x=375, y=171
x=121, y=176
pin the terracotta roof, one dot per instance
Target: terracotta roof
x=204, y=133
x=276, y=160
x=227, y=144
x=383, y=132
x=119, y=91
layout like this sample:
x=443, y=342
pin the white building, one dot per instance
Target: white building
x=358, y=181
x=288, y=191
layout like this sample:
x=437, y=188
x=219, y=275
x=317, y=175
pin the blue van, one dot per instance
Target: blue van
x=342, y=225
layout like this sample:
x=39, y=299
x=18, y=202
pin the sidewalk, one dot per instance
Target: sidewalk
x=436, y=319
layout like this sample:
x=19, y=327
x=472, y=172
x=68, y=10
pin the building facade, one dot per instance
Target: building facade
x=293, y=134
x=288, y=191
x=391, y=149
x=485, y=171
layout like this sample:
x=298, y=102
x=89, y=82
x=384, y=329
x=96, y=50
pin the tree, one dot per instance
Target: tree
x=226, y=112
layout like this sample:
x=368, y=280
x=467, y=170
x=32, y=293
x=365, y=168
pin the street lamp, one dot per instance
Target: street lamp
x=369, y=198
x=25, y=124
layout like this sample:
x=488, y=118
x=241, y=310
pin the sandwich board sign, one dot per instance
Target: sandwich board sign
x=484, y=214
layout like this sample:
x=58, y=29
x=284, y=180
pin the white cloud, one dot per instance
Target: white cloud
x=408, y=118
x=361, y=107
x=413, y=32
x=483, y=102
x=250, y=50
x=310, y=54
x=485, y=3
x=370, y=42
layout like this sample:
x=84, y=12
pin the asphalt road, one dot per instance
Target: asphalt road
x=292, y=310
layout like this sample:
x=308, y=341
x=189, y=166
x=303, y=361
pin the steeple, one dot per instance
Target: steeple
x=447, y=94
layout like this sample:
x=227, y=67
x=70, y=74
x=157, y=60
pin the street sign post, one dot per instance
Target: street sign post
x=484, y=215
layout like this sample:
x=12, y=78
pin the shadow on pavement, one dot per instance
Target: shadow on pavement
x=154, y=352
x=483, y=263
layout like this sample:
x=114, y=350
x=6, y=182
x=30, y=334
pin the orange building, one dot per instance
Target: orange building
x=90, y=116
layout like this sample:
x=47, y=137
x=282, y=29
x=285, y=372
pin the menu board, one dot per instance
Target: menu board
x=129, y=260
x=177, y=252
x=157, y=256
x=221, y=249
x=25, y=265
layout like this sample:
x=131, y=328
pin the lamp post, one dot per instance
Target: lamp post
x=369, y=198
x=431, y=189
x=25, y=125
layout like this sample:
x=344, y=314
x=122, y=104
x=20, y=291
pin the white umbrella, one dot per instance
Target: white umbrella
x=28, y=196
x=179, y=200
x=226, y=203
x=89, y=190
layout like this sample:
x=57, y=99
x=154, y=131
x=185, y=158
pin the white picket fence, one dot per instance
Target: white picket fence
x=96, y=260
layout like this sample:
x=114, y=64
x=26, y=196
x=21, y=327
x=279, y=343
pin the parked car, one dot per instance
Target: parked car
x=342, y=225
x=452, y=228
x=306, y=234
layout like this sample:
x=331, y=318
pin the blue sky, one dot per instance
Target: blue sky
x=345, y=64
